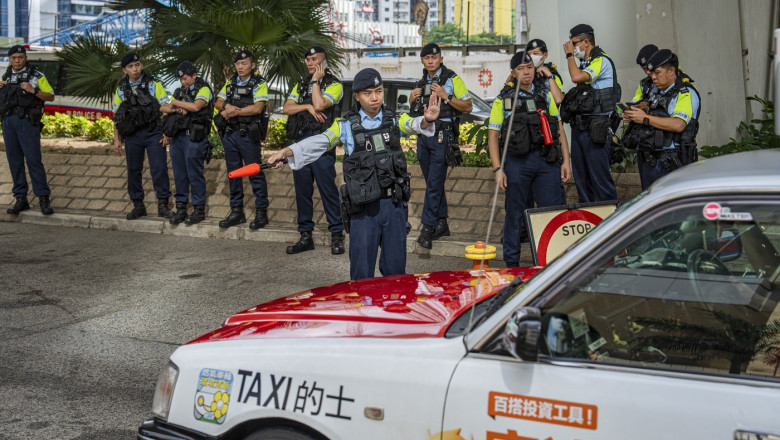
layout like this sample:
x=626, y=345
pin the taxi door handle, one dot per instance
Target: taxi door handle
x=741, y=434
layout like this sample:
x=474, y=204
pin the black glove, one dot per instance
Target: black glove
x=452, y=155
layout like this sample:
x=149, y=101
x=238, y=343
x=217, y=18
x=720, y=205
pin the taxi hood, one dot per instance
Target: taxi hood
x=401, y=306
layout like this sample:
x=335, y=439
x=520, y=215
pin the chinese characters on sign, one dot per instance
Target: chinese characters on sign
x=577, y=415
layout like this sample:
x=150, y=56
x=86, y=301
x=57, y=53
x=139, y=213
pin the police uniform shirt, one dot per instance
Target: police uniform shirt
x=41, y=83
x=683, y=106
x=311, y=148
x=333, y=93
x=156, y=89
x=600, y=72
x=204, y=93
x=454, y=86
x=498, y=114
x=638, y=94
x=260, y=92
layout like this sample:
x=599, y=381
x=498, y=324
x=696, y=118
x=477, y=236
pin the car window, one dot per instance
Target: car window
x=682, y=292
x=479, y=104
x=402, y=104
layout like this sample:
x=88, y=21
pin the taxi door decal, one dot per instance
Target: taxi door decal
x=536, y=409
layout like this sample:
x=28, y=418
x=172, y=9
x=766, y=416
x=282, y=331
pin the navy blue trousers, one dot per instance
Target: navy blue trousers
x=430, y=153
x=323, y=171
x=136, y=146
x=381, y=224
x=648, y=174
x=528, y=177
x=241, y=151
x=187, y=161
x=23, y=143
x=590, y=165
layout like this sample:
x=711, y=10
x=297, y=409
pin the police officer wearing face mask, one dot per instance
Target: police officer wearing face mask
x=188, y=124
x=535, y=167
x=377, y=181
x=436, y=152
x=312, y=107
x=23, y=89
x=138, y=103
x=587, y=108
x=547, y=74
x=242, y=123
x=665, y=135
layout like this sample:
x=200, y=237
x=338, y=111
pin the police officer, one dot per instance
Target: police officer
x=377, y=182
x=137, y=117
x=645, y=84
x=547, y=74
x=587, y=108
x=533, y=166
x=189, y=123
x=311, y=108
x=23, y=89
x=241, y=105
x=665, y=135
x=441, y=149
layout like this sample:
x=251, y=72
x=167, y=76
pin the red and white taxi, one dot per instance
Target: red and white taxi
x=663, y=322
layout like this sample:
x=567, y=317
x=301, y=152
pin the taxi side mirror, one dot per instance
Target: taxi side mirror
x=521, y=334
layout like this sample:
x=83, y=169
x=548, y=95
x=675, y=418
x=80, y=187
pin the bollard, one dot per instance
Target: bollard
x=477, y=252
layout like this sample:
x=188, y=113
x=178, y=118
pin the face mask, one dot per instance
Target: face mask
x=579, y=53
x=537, y=60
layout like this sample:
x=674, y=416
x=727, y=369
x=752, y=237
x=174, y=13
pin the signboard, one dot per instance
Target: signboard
x=554, y=229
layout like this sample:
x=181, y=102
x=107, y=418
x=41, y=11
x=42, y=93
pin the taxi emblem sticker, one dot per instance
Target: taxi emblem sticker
x=714, y=211
x=213, y=395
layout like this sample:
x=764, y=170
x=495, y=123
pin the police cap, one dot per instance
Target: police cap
x=366, y=79
x=519, y=58
x=645, y=53
x=430, y=48
x=243, y=54
x=580, y=29
x=186, y=68
x=129, y=57
x=660, y=58
x=16, y=49
x=536, y=44
x=314, y=49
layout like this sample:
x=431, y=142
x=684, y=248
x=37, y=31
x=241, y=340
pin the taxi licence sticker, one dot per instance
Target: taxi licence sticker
x=714, y=211
x=212, y=395
x=536, y=409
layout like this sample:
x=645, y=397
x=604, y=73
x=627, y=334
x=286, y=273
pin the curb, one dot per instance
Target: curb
x=210, y=229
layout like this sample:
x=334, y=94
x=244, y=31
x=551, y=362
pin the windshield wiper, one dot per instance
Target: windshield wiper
x=500, y=299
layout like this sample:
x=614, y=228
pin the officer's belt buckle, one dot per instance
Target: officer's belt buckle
x=242, y=132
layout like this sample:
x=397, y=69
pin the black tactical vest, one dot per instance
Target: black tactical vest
x=243, y=96
x=646, y=137
x=15, y=97
x=645, y=86
x=376, y=168
x=139, y=109
x=199, y=123
x=525, y=133
x=583, y=99
x=418, y=106
x=541, y=81
x=303, y=124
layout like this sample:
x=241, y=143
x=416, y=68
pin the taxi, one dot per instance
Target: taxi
x=662, y=322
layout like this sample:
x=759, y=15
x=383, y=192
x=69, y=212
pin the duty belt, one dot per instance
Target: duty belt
x=444, y=126
x=240, y=128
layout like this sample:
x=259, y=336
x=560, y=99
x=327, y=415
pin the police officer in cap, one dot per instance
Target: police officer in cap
x=441, y=149
x=23, y=89
x=547, y=74
x=377, y=182
x=241, y=105
x=138, y=104
x=191, y=111
x=312, y=107
x=595, y=76
x=664, y=135
x=645, y=84
x=534, y=167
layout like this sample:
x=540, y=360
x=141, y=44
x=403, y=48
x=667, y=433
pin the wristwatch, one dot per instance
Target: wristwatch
x=646, y=120
x=569, y=55
x=449, y=98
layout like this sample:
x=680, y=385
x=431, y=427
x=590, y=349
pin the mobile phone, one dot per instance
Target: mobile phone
x=427, y=90
x=324, y=64
x=621, y=106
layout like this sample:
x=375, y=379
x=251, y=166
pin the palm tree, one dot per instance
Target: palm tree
x=209, y=32
x=772, y=359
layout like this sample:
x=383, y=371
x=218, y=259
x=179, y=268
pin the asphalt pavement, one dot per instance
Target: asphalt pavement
x=90, y=316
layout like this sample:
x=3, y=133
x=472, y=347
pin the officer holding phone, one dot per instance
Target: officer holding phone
x=311, y=108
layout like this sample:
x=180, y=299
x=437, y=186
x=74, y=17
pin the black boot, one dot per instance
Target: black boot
x=236, y=217
x=426, y=237
x=45, y=205
x=197, y=216
x=20, y=205
x=139, y=210
x=337, y=243
x=441, y=229
x=305, y=243
x=261, y=219
x=180, y=215
x=162, y=209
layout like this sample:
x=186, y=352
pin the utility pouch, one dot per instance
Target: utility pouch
x=599, y=129
x=552, y=153
x=254, y=132
x=36, y=115
x=535, y=129
x=170, y=125
x=197, y=132
x=688, y=153
x=519, y=138
x=360, y=176
x=209, y=152
x=385, y=169
x=221, y=124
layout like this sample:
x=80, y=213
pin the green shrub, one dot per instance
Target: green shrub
x=216, y=142
x=101, y=130
x=277, y=135
x=757, y=135
x=476, y=159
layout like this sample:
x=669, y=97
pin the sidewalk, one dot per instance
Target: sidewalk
x=89, y=190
